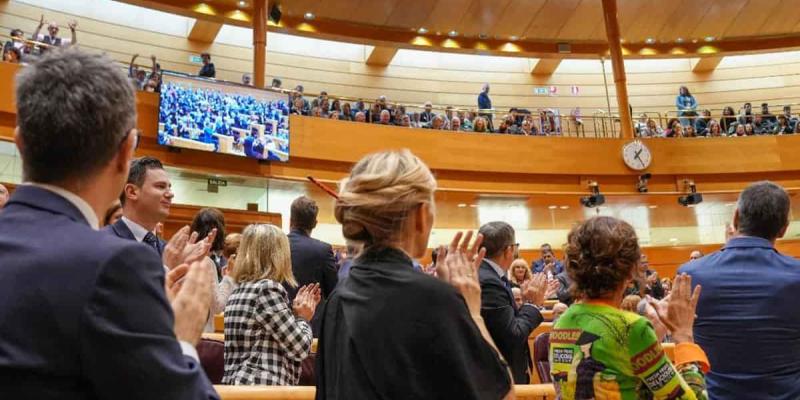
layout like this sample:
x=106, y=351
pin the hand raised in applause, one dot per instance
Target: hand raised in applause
x=535, y=289
x=184, y=248
x=189, y=290
x=72, y=25
x=680, y=309
x=458, y=265
x=552, y=288
x=41, y=21
x=306, y=300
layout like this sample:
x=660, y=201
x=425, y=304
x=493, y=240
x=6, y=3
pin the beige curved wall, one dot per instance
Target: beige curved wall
x=443, y=79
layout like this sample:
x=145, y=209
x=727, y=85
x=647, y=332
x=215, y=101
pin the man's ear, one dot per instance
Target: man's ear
x=783, y=231
x=736, y=220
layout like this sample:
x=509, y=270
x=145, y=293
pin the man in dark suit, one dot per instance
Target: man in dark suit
x=747, y=320
x=146, y=200
x=508, y=325
x=312, y=260
x=85, y=315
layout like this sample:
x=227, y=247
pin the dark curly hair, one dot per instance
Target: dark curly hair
x=602, y=253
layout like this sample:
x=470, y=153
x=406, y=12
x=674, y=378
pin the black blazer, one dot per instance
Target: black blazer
x=83, y=314
x=120, y=229
x=312, y=262
x=509, y=326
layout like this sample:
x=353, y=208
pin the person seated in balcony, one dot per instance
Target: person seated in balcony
x=12, y=55
x=739, y=130
x=455, y=124
x=333, y=115
x=652, y=130
x=298, y=106
x=381, y=102
x=746, y=114
x=714, y=130
x=701, y=125
x=728, y=120
x=374, y=113
x=51, y=38
x=762, y=126
x=276, y=83
x=336, y=105
x=385, y=117
x=437, y=123
x=397, y=114
x=507, y=125
x=766, y=115
x=783, y=126
x=686, y=105
x=426, y=117
x=405, y=121
x=466, y=118
x=17, y=41
x=640, y=124
x=689, y=131
x=208, y=70
x=316, y=112
x=360, y=117
x=676, y=131
x=347, y=112
x=527, y=128
x=480, y=125
x=448, y=116
x=749, y=130
x=787, y=112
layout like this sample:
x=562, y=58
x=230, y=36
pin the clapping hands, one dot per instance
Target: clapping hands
x=184, y=248
x=677, y=312
x=458, y=266
x=306, y=300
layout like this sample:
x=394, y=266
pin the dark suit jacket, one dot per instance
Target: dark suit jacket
x=508, y=325
x=312, y=262
x=83, y=314
x=120, y=229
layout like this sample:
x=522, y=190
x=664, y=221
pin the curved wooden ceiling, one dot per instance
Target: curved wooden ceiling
x=648, y=27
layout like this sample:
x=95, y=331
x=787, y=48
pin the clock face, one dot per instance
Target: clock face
x=636, y=155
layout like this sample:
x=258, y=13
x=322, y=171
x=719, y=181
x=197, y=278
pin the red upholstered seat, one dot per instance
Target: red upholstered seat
x=541, y=362
x=212, y=358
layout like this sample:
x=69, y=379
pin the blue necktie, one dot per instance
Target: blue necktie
x=151, y=240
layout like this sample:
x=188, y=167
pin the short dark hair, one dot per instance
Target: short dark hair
x=205, y=55
x=276, y=82
x=74, y=109
x=138, y=172
x=497, y=235
x=17, y=32
x=206, y=220
x=763, y=210
x=303, y=214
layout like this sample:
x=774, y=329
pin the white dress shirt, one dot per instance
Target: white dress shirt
x=495, y=267
x=139, y=232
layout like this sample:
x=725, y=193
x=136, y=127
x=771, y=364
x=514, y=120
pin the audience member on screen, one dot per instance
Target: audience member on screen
x=312, y=260
x=509, y=325
x=598, y=350
x=750, y=326
x=52, y=38
x=387, y=203
x=146, y=199
x=111, y=328
x=113, y=214
x=3, y=195
x=267, y=336
x=207, y=70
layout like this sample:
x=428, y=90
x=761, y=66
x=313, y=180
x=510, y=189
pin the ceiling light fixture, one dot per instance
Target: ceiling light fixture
x=242, y=3
x=462, y=205
x=513, y=38
x=452, y=34
x=564, y=207
x=709, y=39
x=309, y=16
x=649, y=40
x=679, y=40
x=422, y=31
x=652, y=206
x=552, y=207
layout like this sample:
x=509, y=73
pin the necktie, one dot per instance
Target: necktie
x=506, y=282
x=151, y=240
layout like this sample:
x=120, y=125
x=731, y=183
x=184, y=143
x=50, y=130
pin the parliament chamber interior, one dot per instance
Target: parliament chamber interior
x=307, y=172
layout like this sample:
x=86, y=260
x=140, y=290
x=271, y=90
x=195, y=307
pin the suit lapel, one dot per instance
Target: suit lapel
x=122, y=230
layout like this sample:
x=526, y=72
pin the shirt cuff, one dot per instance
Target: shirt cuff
x=691, y=353
x=189, y=350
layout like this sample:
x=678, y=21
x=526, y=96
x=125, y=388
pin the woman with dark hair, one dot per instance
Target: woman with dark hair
x=728, y=120
x=599, y=351
x=687, y=106
x=209, y=223
x=113, y=214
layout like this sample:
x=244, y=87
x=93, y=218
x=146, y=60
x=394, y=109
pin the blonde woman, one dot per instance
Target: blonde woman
x=389, y=332
x=480, y=125
x=266, y=338
x=519, y=272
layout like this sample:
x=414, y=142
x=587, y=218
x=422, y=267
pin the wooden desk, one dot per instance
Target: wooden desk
x=523, y=392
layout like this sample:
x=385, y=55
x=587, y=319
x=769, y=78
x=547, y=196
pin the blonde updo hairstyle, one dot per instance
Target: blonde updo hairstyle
x=376, y=199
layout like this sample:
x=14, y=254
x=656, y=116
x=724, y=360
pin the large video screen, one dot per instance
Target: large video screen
x=224, y=118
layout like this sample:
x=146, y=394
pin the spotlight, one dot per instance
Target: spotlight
x=692, y=198
x=309, y=16
x=596, y=199
x=641, y=185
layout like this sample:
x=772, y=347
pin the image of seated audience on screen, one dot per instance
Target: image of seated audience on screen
x=224, y=118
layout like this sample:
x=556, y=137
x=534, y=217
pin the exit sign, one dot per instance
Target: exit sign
x=195, y=59
x=217, y=182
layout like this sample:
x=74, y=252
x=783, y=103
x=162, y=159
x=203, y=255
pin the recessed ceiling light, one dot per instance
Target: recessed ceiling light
x=564, y=207
x=679, y=40
x=309, y=16
x=673, y=239
x=513, y=38
x=552, y=207
x=649, y=40
x=242, y=3
x=462, y=205
x=452, y=33
x=694, y=40
x=473, y=205
x=622, y=40
x=652, y=206
x=422, y=31
x=709, y=39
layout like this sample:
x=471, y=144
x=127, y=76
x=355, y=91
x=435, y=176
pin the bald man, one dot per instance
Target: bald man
x=52, y=37
x=3, y=195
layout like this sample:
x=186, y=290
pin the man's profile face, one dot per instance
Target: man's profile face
x=155, y=195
